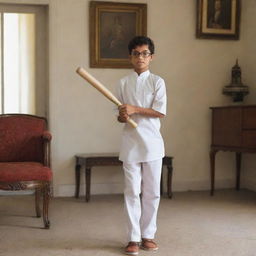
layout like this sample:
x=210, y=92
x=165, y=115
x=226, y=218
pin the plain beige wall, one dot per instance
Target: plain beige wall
x=195, y=71
x=249, y=78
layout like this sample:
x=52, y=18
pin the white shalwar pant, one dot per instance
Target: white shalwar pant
x=141, y=210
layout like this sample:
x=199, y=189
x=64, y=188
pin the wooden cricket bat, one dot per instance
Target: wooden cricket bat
x=102, y=89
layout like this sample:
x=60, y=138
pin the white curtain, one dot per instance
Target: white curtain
x=19, y=63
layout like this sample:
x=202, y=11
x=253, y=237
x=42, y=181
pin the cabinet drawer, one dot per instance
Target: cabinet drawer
x=249, y=139
x=249, y=118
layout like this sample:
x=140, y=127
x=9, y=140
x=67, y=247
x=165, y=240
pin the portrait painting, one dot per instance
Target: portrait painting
x=218, y=19
x=116, y=29
x=112, y=26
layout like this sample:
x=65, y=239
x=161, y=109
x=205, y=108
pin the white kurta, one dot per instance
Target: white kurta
x=144, y=143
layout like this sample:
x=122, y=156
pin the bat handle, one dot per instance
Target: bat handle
x=132, y=123
x=129, y=120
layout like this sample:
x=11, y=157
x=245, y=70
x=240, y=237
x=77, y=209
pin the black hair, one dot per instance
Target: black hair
x=139, y=41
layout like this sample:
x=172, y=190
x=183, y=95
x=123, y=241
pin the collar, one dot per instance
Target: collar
x=144, y=74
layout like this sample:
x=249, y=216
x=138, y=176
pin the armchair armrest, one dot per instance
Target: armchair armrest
x=46, y=136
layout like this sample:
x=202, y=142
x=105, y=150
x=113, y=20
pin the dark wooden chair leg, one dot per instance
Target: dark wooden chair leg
x=88, y=184
x=212, y=161
x=161, y=183
x=238, y=169
x=46, y=199
x=78, y=168
x=169, y=181
x=37, y=202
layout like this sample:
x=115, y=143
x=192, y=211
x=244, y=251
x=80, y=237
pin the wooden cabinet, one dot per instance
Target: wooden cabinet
x=233, y=129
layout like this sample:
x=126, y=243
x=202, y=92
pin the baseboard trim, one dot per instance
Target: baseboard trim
x=15, y=193
x=96, y=189
x=202, y=185
x=68, y=190
x=250, y=184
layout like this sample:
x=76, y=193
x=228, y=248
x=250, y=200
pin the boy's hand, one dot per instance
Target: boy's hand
x=122, y=118
x=127, y=109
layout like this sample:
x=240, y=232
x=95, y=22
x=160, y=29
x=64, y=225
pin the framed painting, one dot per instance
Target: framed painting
x=218, y=19
x=112, y=26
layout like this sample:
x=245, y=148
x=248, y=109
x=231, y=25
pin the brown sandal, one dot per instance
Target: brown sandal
x=132, y=248
x=148, y=245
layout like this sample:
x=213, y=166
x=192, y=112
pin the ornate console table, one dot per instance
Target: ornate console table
x=233, y=129
x=91, y=160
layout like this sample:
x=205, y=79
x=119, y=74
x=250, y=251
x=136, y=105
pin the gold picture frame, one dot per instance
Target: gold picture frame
x=218, y=19
x=112, y=26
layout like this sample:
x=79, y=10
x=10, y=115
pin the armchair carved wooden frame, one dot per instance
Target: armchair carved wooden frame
x=25, y=158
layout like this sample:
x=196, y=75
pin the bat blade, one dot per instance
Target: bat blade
x=102, y=89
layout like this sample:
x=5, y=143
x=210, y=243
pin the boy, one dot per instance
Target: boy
x=144, y=99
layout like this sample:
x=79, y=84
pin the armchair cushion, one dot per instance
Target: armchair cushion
x=24, y=171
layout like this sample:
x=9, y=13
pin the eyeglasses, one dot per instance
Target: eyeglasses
x=144, y=54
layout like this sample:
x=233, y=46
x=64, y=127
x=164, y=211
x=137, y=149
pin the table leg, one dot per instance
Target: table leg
x=238, y=169
x=78, y=168
x=88, y=183
x=212, y=161
x=169, y=181
x=161, y=183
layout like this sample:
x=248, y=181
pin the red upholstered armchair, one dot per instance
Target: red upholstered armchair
x=24, y=157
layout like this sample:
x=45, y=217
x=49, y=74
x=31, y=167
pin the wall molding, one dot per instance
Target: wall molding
x=68, y=190
x=250, y=184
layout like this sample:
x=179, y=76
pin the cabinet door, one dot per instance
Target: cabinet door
x=249, y=118
x=226, y=127
x=249, y=127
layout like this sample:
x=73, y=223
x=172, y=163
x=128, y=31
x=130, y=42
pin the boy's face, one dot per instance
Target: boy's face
x=140, y=58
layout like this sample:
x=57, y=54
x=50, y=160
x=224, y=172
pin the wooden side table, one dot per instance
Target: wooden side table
x=233, y=129
x=110, y=159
